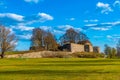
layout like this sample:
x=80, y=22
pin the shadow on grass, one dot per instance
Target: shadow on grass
x=54, y=72
x=65, y=64
x=82, y=61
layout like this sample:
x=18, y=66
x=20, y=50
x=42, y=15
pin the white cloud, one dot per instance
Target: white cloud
x=58, y=32
x=90, y=25
x=25, y=28
x=72, y=19
x=100, y=28
x=11, y=30
x=112, y=23
x=54, y=31
x=92, y=20
x=25, y=20
x=65, y=27
x=14, y=43
x=78, y=29
x=109, y=36
x=40, y=17
x=116, y=3
x=116, y=23
x=22, y=27
x=25, y=36
x=34, y=1
x=45, y=17
x=12, y=16
x=46, y=28
x=114, y=37
x=105, y=8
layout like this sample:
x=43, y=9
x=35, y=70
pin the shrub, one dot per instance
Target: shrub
x=87, y=55
x=56, y=55
x=63, y=55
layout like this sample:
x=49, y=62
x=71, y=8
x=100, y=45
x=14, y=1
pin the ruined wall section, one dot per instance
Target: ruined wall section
x=77, y=48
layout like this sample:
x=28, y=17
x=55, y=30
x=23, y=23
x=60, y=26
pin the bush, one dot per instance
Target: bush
x=63, y=55
x=87, y=55
x=56, y=55
x=48, y=55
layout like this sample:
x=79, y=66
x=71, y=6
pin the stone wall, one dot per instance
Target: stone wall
x=96, y=49
x=40, y=54
x=77, y=48
x=80, y=48
x=91, y=48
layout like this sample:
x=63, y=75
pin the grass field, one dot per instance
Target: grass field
x=59, y=69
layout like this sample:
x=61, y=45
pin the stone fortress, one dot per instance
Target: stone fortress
x=82, y=46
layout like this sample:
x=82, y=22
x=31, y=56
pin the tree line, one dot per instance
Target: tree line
x=112, y=52
x=43, y=40
x=46, y=40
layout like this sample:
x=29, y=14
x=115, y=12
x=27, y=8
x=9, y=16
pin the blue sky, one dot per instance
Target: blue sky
x=98, y=19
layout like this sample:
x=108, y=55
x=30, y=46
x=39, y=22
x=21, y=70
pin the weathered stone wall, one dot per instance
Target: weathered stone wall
x=96, y=49
x=91, y=48
x=40, y=54
x=80, y=48
x=26, y=55
x=77, y=48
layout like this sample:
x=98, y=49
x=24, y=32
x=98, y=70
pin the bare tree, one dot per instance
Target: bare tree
x=72, y=36
x=50, y=41
x=114, y=52
x=110, y=52
x=118, y=48
x=43, y=40
x=7, y=40
x=83, y=37
x=37, y=37
x=106, y=49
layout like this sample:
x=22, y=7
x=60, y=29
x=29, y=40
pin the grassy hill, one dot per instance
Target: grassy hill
x=59, y=69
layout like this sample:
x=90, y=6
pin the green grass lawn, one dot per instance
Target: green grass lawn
x=59, y=69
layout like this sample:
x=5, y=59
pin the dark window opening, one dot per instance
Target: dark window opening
x=86, y=48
